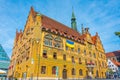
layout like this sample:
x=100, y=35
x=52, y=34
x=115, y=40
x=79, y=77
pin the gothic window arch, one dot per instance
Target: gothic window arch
x=48, y=39
x=73, y=71
x=80, y=72
x=58, y=42
x=84, y=52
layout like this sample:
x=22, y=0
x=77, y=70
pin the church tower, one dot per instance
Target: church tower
x=73, y=22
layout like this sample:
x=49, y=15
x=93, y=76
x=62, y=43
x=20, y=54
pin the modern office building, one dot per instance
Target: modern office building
x=48, y=49
x=4, y=63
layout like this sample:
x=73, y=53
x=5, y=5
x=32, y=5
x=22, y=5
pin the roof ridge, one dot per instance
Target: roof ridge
x=60, y=23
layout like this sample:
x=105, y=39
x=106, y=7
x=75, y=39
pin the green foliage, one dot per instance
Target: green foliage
x=110, y=71
x=117, y=34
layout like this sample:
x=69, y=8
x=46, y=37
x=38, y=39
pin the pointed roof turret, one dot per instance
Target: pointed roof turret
x=73, y=15
x=32, y=11
x=73, y=21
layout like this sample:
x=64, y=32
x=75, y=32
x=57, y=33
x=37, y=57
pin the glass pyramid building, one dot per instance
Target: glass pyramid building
x=4, y=62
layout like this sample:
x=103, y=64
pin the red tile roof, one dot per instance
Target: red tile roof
x=58, y=28
x=116, y=62
x=94, y=38
x=112, y=54
x=61, y=29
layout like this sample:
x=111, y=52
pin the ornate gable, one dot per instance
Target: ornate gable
x=99, y=44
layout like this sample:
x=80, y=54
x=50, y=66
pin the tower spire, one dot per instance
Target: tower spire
x=73, y=21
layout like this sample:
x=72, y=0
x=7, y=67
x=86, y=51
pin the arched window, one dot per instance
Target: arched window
x=97, y=74
x=78, y=50
x=72, y=58
x=80, y=72
x=58, y=42
x=90, y=54
x=94, y=55
x=84, y=52
x=54, y=70
x=55, y=55
x=80, y=61
x=48, y=40
x=44, y=53
x=43, y=69
x=64, y=57
x=73, y=71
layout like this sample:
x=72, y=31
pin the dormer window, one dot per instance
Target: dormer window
x=48, y=40
x=58, y=42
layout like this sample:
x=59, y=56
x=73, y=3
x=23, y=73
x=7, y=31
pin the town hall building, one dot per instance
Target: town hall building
x=48, y=49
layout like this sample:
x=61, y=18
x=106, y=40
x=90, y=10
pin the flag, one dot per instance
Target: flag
x=70, y=43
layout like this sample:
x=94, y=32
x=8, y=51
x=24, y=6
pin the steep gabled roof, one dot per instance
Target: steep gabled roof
x=116, y=62
x=58, y=28
x=112, y=54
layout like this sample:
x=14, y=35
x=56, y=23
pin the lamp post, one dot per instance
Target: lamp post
x=37, y=41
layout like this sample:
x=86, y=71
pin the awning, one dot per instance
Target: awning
x=2, y=71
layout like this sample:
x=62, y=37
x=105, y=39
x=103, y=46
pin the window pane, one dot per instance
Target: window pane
x=44, y=53
x=78, y=50
x=80, y=72
x=55, y=55
x=73, y=71
x=66, y=47
x=43, y=69
x=64, y=57
x=54, y=70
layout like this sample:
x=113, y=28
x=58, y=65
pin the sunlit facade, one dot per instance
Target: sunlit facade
x=47, y=49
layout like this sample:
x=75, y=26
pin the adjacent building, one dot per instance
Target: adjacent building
x=113, y=59
x=47, y=49
x=4, y=63
x=115, y=55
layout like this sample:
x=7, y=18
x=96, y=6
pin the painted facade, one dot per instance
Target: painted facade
x=47, y=49
x=112, y=66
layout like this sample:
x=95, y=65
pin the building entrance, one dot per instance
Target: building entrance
x=64, y=73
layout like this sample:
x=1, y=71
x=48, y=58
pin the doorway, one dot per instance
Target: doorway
x=64, y=73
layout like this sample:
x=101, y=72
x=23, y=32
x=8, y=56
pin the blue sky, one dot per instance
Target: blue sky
x=102, y=16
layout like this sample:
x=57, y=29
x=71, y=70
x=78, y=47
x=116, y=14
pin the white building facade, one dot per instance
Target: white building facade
x=112, y=66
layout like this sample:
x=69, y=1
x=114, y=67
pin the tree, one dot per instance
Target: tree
x=109, y=73
x=117, y=34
